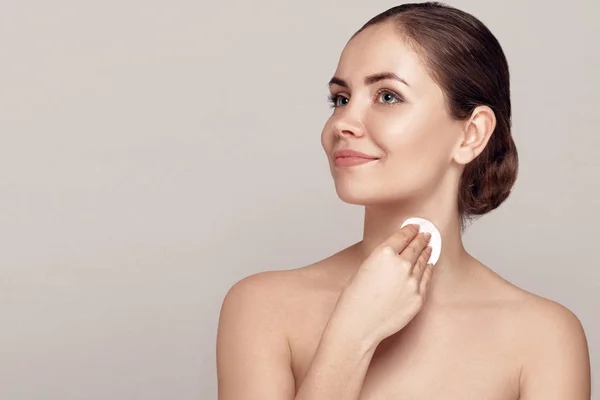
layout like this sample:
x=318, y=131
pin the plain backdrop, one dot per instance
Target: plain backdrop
x=153, y=153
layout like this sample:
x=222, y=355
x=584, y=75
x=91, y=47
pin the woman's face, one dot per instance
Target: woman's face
x=402, y=122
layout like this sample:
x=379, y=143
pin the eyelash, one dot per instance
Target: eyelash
x=333, y=98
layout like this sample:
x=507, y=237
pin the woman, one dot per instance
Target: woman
x=422, y=93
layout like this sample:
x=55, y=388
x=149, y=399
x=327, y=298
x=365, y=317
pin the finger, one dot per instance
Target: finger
x=424, y=285
x=421, y=263
x=413, y=251
x=402, y=238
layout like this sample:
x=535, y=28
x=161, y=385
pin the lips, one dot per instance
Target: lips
x=349, y=158
x=352, y=153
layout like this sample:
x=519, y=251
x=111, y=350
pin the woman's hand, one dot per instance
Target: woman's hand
x=389, y=287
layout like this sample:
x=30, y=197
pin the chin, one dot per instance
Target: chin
x=364, y=195
x=379, y=192
x=354, y=199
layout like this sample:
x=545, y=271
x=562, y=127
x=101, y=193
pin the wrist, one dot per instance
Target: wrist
x=350, y=336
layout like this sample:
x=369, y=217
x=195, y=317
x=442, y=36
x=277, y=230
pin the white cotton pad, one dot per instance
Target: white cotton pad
x=436, y=238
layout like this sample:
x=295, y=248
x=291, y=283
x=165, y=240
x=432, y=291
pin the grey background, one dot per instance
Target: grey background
x=153, y=153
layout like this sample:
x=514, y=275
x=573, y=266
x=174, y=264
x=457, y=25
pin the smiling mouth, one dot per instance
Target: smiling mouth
x=352, y=161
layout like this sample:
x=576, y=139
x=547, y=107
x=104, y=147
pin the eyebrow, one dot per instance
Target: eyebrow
x=370, y=79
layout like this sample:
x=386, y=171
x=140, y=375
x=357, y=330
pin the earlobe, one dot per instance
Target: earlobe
x=476, y=133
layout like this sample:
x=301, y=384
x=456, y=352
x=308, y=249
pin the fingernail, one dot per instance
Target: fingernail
x=429, y=249
x=427, y=236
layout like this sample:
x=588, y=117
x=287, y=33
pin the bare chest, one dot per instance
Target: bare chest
x=442, y=354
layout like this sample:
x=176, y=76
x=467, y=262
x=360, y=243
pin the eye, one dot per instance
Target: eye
x=388, y=97
x=337, y=100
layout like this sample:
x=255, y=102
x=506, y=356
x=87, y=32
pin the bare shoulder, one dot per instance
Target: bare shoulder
x=259, y=315
x=537, y=316
x=276, y=292
x=255, y=311
x=251, y=312
x=548, y=317
x=555, y=354
x=550, y=325
x=540, y=322
x=253, y=349
x=549, y=340
x=264, y=293
x=556, y=363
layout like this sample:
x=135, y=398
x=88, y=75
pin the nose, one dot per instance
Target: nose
x=346, y=125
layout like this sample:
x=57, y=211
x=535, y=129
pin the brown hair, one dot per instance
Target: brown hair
x=466, y=60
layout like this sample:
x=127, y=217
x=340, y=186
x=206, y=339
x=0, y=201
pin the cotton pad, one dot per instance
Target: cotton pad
x=436, y=238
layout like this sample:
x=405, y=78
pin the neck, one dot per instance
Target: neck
x=381, y=221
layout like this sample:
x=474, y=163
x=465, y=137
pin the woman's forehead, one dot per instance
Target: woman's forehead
x=379, y=49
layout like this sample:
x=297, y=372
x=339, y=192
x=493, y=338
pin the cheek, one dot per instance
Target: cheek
x=403, y=134
x=417, y=143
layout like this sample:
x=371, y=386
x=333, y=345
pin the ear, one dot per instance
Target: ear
x=477, y=131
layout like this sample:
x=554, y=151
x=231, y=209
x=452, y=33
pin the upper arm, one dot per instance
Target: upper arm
x=557, y=364
x=253, y=356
